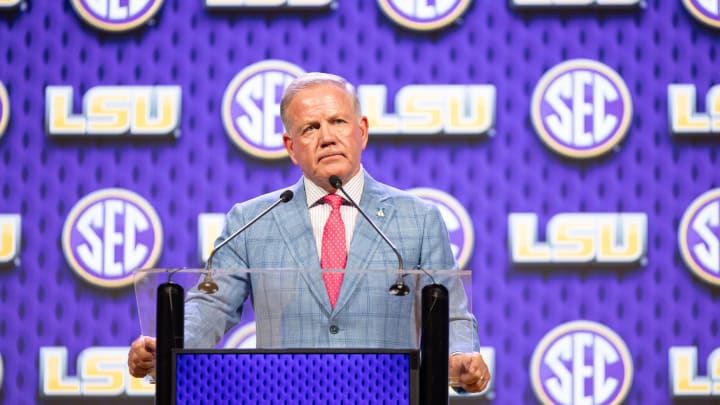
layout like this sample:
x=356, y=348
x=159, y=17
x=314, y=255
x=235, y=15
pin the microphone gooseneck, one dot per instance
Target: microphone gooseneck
x=399, y=288
x=208, y=285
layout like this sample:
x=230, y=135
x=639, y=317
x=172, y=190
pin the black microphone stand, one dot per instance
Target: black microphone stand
x=434, y=345
x=170, y=314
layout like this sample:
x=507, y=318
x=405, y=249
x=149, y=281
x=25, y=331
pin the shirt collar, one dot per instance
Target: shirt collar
x=354, y=188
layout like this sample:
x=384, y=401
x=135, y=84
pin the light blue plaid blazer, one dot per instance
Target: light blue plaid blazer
x=292, y=310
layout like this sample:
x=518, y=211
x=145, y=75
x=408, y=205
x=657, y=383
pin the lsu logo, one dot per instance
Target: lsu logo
x=284, y=4
x=601, y=238
x=581, y=109
x=4, y=109
x=114, y=110
x=424, y=15
x=699, y=237
x=209, y=228
x=116, y=15
x=251, y=107
x=684, y=378
x=684, y=118
x=101, y=372
x=581, y=362
x=110, y=233
x=457, y=221
x=575, y=3
x=705, y=11
x=430, y=109
x=10, y=233
x=9, y=3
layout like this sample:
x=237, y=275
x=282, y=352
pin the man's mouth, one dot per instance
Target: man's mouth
x=331, y=155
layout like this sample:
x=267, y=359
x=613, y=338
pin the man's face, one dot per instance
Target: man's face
x=324, y=135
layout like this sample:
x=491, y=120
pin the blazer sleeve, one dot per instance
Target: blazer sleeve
x=436, y=254
x=209, y=316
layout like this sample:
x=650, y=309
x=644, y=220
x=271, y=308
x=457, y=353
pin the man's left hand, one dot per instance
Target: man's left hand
x=468, y=371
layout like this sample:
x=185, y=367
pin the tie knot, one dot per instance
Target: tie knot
x=334, y=200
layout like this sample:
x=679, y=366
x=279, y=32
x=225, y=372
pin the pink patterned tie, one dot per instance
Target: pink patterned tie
x=334, y=253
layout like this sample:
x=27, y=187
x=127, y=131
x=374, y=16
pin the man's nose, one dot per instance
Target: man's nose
x=327, y=135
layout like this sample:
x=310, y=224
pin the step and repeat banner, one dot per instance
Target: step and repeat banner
x=572, y=147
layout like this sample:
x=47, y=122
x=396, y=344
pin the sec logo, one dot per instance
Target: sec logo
x=251, y=107
x=110, y=233
x=424, y=15
x=4, y=109
x=581, y=109
x=116, y=15
x=705, y=11
x=581, y=362
x=699, y=237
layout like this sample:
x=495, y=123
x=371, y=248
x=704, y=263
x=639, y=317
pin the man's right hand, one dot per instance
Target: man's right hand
x=141, y=357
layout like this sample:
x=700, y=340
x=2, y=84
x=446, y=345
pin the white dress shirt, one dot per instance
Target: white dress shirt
x=320, y=211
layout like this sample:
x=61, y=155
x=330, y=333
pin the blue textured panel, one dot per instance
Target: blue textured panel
x=285, y=378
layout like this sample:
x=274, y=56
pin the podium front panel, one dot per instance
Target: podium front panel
x=204, y=376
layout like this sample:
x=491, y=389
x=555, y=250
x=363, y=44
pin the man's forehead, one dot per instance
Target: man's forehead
x=330, y=87
x=330, y=97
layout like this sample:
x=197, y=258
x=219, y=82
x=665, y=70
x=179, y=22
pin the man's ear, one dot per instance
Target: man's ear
x=364, y=127
x=287, y=140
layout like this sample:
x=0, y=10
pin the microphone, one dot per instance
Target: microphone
x=208, y=285
x=399, y=288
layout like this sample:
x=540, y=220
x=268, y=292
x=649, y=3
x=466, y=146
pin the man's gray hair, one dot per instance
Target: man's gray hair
x=313, y=79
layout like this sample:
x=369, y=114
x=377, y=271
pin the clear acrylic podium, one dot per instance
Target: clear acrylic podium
x=290, y=346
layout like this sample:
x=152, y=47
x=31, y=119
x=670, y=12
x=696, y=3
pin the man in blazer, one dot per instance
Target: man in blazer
x=325, y=136
x=292, y=309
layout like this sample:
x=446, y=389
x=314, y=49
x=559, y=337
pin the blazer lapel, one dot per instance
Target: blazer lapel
x=296, y=231
x=365, y=242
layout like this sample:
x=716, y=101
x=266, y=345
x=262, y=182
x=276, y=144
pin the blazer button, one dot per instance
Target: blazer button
x=334, y=329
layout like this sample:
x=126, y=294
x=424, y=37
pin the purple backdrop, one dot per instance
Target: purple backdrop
x=652, y=306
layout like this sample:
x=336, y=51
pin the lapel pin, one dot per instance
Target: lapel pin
x=381, y=212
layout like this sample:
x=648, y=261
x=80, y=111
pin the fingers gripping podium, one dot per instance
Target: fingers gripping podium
x=370, y=334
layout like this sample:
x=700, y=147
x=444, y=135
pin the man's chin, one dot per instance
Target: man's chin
x=323, y=176
x=337, y=167
x=324, y=179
